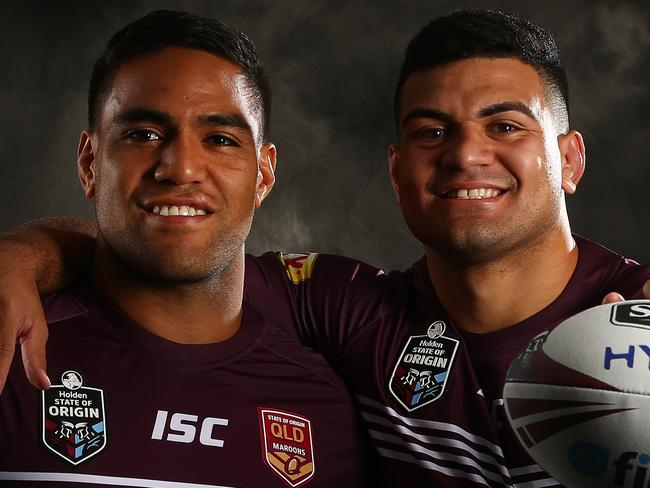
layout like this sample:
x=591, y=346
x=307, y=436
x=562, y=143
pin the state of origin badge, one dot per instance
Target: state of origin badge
x=73, y=419
x=287, y=445
x=422, y=369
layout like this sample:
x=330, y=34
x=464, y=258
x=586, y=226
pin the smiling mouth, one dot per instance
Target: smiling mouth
x=472, y=194
x=177, y=210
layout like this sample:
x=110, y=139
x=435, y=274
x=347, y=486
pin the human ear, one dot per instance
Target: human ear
x=265, y=172
x=86, y=162
x=393, y=168
x=572, y=151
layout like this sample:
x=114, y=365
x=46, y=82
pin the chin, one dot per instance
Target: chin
x=178, y=268
x=169, y=261
x=173, y=273
x=475, y=246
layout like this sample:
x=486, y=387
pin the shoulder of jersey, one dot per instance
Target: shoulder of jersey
x=62, y=305
x=625, y=275
x=300, y=267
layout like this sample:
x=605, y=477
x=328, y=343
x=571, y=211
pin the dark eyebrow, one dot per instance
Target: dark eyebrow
x=230, y=120
x=138, y=114
x=426, y=113
x=432, y=113
x=507, y=107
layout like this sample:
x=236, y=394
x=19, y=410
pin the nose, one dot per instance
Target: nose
x=181, y=161
x=468, y=147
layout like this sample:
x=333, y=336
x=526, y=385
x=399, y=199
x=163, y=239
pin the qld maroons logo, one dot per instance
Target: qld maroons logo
x=420, y=374
x=73, y=419
x=287, y=445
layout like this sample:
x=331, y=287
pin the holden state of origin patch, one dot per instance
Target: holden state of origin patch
x=73, y=419
x=420, y=374
x=298, y=266
x=287, y=445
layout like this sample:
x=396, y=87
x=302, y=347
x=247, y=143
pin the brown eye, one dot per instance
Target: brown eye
x=434, y=133
x=142, y=135
x=221, y=140
x=504, y=128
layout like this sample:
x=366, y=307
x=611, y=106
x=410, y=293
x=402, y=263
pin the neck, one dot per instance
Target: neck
x=201, y=312
x=487, y=296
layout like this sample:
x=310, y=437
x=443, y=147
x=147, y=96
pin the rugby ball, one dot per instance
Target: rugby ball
x=578, y=397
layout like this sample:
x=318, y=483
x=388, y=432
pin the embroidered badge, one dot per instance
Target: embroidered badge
x=422, y=369
x=73, y=419
x=287, y=445
x=298, y=267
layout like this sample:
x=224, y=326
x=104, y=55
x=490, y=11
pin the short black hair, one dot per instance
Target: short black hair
x=472, y=33
x=165, y=28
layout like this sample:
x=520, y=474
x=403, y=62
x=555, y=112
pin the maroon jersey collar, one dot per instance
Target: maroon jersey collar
x=108, y=316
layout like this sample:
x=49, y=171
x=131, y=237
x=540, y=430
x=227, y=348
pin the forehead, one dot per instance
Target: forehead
x=470, y=84
x=183, y=82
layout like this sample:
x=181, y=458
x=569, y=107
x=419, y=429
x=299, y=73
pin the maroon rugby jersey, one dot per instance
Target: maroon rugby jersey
x=430, y=395
x=129, y=408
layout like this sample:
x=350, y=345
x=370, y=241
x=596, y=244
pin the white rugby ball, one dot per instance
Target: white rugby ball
x=578, y=397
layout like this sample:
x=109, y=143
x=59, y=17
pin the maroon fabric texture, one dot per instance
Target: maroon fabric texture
x=361, y=320
x=261, y=367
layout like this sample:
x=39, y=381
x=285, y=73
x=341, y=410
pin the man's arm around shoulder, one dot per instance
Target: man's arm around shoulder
x=36, y=258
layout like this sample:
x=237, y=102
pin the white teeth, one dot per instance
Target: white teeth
x=174, y=210
x=473, y=194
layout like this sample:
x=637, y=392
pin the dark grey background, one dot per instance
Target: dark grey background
x=333, y=66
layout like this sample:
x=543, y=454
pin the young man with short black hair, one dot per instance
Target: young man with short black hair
x=166, y=374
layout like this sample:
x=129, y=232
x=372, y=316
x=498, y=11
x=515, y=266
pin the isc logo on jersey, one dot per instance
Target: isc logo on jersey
x=182, y=428
x=298, y=266
x=287, y=445
x=422, y=369
x=73, y=419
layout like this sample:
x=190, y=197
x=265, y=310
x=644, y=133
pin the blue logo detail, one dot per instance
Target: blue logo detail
x=425, y=387
x=627, y=356
x=588, y=458
x=630, y=463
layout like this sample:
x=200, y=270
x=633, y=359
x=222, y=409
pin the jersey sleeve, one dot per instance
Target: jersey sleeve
x=606, y=271
x=629, y=279
x=328, y=300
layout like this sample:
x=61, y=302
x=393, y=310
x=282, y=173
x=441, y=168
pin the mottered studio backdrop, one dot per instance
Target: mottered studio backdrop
x=333, y=67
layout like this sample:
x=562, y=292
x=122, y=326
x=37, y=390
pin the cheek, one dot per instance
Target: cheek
x=531, y=166
x=416, y=171
x=554, y=166
x=552, y=157
x=554, y=176
x=113, y=186
x=236, y=187
x=545, y=171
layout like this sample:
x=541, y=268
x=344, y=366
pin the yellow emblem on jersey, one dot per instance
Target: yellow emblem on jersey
x=298, y=266
x=288, y=445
